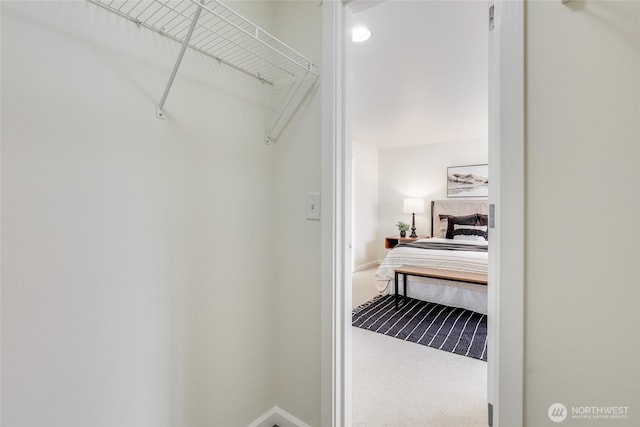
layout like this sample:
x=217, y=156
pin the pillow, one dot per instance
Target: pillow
x=444, y=224
x=483, y=220
x=460, y=220
x=442, y=232
x=470, y=232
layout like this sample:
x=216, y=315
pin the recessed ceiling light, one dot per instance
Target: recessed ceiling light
x=360, y=34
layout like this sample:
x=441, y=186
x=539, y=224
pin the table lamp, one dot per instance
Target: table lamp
x=413, y=206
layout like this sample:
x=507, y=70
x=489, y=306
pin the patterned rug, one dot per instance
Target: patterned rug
x=451, y=329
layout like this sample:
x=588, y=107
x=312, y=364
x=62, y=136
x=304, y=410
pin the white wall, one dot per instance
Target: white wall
x=366, y=242
x=419, y=171
x=297, y=241
x=124, y=301
x=582, y=343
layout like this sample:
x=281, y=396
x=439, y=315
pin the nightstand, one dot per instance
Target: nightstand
x=391, y=242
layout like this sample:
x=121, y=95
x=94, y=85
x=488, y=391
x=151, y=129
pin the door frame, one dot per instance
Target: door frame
x=507, y=194
x=507, y=181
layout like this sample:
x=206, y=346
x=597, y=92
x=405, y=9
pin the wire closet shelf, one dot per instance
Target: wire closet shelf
x=217, y=31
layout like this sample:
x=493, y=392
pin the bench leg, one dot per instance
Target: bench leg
x=396, y=290
x=404, y=286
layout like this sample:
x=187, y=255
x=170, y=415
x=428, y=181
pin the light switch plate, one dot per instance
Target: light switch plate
x=313, y=206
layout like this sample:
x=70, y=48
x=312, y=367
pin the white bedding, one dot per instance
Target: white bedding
x=472, y=297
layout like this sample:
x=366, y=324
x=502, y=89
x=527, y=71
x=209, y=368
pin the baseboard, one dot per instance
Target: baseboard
x=277, y=417
x=366, y=266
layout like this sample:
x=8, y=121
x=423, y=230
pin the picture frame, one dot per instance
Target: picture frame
x=468, y=181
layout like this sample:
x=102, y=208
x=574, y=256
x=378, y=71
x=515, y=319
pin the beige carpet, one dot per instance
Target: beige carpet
x=402, y=384
x=362, y=287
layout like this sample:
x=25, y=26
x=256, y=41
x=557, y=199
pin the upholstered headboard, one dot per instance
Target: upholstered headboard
x=456, y=208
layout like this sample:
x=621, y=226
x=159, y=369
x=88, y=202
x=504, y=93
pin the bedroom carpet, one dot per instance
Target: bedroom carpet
x=438, y=326
x=399, y=384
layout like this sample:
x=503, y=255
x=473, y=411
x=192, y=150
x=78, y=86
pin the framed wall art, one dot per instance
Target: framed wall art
x=468, y=181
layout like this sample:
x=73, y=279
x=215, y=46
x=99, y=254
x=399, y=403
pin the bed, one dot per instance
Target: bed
x=459, y=242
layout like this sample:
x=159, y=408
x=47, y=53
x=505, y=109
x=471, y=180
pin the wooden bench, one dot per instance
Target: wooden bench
x=436, y=273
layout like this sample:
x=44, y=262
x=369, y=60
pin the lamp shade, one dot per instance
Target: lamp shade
x=411, y=206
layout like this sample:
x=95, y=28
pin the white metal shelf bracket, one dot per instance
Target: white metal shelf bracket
x=185, y=44
x=271, y=136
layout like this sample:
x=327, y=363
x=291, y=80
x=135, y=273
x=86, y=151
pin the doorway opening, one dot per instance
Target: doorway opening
x=506, y=154
x=417, y=102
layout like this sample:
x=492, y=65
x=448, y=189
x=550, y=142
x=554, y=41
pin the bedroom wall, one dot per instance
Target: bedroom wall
x=124, y=300
x=365, y=205
x=582, y=344
x=419, y=171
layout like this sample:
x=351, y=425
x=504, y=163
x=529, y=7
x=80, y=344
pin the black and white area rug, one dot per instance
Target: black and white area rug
x=451, y=329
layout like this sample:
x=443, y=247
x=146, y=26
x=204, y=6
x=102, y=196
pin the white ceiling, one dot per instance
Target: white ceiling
x=422, y=76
